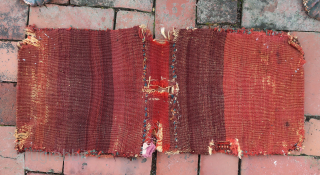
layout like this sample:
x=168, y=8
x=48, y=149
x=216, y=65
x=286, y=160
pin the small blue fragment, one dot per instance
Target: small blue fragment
x=175, y=76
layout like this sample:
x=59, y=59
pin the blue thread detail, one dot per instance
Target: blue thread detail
x=145, y=108
x=146, y=114
x=143, y=140
x=174, y=44
x=172, y=66
x=144, y=121
x=144, y=45
x=176, y=146
x=145, y=130
x=174, y=101
x=173, y=55
x=173, y=71
x=173, y=60
x=175, y=76
x=144, y=135
x=146, y=95
x=172, y=96
x=144, y=54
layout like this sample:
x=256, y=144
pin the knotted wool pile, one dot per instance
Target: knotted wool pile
x=119, y=92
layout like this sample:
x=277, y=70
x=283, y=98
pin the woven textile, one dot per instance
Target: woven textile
x=120, y=92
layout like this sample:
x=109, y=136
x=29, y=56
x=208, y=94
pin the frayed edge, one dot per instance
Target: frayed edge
x=172, y=152
x=159, y=138
x=144, y=33
x=21, y=136
x=31, y=38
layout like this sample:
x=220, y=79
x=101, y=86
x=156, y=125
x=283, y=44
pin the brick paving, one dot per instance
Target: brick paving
x=186, y=164
x=100, y=14
x=8, y=61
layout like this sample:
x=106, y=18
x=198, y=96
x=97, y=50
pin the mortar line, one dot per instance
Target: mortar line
x=154, y=17
x=199, y=159
x=239, y=166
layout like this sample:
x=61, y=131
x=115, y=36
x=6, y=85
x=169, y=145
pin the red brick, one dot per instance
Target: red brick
x=310, y=43
x=59, y=1
x=12, y=166
x=92, y=165
x=277, y=14
x=8, y=101
x=7, y=143
x=8, y=61
x=13, y=19
x=279, y=165
x=174, y=13
x=311, y=144
x=186, y=164
x=218, y=164
x=54, y=16
x=144, y=5
x=128, y=19
x=39, y=161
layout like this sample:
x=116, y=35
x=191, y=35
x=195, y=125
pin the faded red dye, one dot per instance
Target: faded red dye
x=204, y=91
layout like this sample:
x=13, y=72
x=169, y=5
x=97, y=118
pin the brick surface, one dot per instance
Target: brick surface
x=277, y=14
x=310, y=43
x=8, y=101
x=54, y=16
x=144, y=5
x=261, y=165
x=219, y=164
x=39, y=161
x=93, y=165
x=7, y=143
x=311, y=144
x=128, y=19
x=174, y=13
x=8, y=61
x=12, y=166
x=217, y=11
x=13, y=19
x=186, y=164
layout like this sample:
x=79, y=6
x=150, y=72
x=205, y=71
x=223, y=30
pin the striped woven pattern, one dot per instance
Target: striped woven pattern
x=121, y=93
